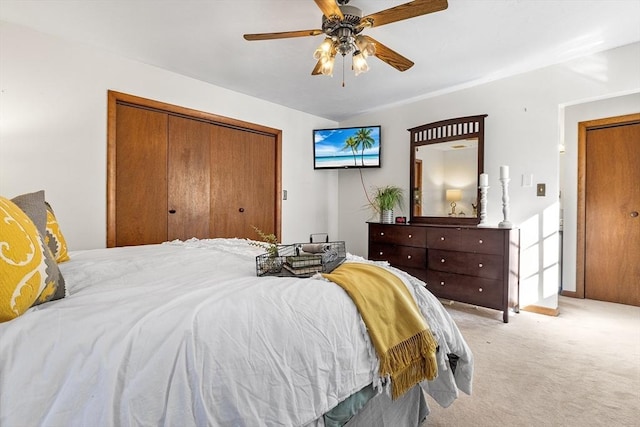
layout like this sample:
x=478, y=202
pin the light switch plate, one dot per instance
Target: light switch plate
x=527, y=180
x=541, y=190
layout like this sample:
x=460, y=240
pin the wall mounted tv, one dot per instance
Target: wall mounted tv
x=344, y=148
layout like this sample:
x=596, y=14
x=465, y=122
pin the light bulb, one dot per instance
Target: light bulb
x=326, y=65
x=324, y=50
x=359, y=63
x=365, y=47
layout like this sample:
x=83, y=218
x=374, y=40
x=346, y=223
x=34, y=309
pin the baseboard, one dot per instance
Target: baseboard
x=541, y=310
x=571, y=294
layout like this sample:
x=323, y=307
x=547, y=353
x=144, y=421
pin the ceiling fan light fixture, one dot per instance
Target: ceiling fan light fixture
x=324, y=50
x=365, y=46
x=325, y=55
x=326, y=67
x=359, y=63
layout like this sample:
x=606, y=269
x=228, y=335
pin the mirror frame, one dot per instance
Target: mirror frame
x=443, y=131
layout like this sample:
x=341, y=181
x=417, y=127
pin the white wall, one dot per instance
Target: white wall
x=53, y=116
x=522, y=130
x=53, y=97
x=574, y=114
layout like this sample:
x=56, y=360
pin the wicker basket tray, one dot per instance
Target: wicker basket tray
x=296, y=261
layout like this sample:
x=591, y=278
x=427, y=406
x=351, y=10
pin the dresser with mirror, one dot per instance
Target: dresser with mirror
x=444, y=243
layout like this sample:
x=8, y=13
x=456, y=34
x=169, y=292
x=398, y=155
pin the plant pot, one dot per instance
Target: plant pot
x=268, y=264
x=386, y=216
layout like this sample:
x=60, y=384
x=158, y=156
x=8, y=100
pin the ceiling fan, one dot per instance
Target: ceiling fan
x=342, y=26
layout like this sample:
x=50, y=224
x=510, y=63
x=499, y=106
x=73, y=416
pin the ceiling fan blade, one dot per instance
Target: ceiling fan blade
x=404, y=11
x=389, y=56
x=282, y=35
x=316, y=69
x=330, y=8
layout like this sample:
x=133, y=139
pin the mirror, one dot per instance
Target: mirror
x=446, y=162
x=446, y=181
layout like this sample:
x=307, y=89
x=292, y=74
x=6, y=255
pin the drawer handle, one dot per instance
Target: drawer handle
x=442, y=260
x=382, y=233
x=480, y=265
x=410, y=236
x=442, y=238
x=442, y=283
x=479, y=289
x=381, y=253
x=480, y=241
x=408, y=256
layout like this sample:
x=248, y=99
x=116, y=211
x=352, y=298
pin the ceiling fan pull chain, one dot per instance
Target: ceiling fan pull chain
x=342, y=70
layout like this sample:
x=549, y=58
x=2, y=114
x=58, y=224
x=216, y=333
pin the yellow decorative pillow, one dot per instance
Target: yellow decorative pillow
x=30, y=274
x=21, y=260
x=54, y=238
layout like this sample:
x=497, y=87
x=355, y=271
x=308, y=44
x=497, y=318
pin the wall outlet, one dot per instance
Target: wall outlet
x=541, y=190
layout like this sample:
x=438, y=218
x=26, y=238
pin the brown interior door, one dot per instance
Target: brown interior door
x=244, y=186
x=188, y=178
x=612, y=223
x=141, y=178
x=417, y=188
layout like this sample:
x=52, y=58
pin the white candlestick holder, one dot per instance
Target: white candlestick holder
x=483, y=206
x=505, y=204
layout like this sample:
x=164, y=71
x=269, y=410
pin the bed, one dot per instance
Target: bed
x=185, y=333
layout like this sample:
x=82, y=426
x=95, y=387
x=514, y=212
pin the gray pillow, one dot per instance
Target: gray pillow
x=33, y=204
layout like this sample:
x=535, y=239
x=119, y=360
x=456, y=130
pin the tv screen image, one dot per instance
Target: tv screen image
x=343, y=148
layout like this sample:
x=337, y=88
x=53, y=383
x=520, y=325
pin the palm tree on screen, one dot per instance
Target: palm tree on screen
x=364, y=139
x=352, y=144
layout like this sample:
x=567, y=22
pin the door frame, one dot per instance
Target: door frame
x=583, y=128
x=114, y=98
x=417, y=188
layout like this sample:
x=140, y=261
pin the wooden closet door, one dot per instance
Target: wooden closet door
x=141, y=178
x=612, y=237
x=188, y=179
x=243, y=183
x=177, y=173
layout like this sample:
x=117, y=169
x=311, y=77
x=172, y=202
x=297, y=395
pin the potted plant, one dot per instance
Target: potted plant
x=269, y=262
x=385, y=199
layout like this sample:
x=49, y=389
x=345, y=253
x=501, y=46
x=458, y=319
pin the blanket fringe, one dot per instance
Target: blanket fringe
x=409, y=362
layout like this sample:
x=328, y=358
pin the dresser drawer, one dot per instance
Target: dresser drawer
x=487, y=241
x=402, y=256
x=472, y=264
x=404, y=235
x=471, y=290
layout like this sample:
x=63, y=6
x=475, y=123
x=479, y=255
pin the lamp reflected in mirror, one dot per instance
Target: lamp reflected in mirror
x=453, y=195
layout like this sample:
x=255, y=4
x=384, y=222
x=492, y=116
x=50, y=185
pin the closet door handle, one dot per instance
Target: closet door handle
x=634, y=214
x=172, y=211
x=241, y=210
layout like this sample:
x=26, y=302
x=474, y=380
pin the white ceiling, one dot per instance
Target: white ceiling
x=470, y=42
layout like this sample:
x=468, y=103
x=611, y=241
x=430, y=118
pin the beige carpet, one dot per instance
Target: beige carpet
x=581, y=368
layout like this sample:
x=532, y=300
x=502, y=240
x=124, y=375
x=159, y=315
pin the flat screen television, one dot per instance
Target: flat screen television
x=345, y=148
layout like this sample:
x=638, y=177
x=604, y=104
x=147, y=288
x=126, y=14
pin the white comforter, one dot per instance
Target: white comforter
x=184, y=333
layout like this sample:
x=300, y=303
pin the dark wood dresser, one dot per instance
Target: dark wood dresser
x=478, y=266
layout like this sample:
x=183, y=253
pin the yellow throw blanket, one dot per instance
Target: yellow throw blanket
x=404, y=344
